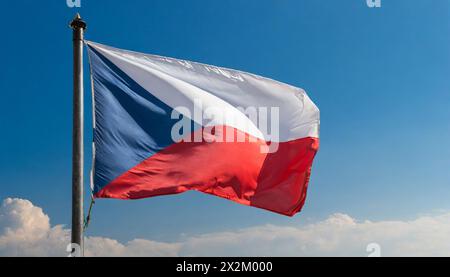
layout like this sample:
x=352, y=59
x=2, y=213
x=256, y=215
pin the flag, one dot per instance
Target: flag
x=165, y=126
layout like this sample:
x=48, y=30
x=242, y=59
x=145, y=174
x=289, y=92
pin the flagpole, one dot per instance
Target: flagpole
x=78, y=26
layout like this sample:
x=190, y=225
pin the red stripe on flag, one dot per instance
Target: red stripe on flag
x=237, y=171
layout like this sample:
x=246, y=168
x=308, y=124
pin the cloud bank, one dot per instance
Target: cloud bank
x=25, y=230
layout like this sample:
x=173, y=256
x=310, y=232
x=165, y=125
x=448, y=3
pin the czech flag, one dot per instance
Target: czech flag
x=164, y=126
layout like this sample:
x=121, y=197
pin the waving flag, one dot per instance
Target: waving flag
x=164, y=126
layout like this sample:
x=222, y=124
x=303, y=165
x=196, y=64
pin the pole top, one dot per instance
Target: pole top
x=77, y=23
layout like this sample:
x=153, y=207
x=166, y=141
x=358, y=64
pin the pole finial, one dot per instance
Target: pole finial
x=78, y=23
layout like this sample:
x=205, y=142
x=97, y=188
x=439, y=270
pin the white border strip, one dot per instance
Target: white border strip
x=93, y=120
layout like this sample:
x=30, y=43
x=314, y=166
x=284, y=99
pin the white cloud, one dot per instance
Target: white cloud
x=25, y=230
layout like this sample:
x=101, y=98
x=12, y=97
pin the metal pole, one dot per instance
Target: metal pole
x=78, y=27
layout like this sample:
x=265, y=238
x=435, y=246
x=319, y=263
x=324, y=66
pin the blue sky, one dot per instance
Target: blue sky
x=380, y=77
